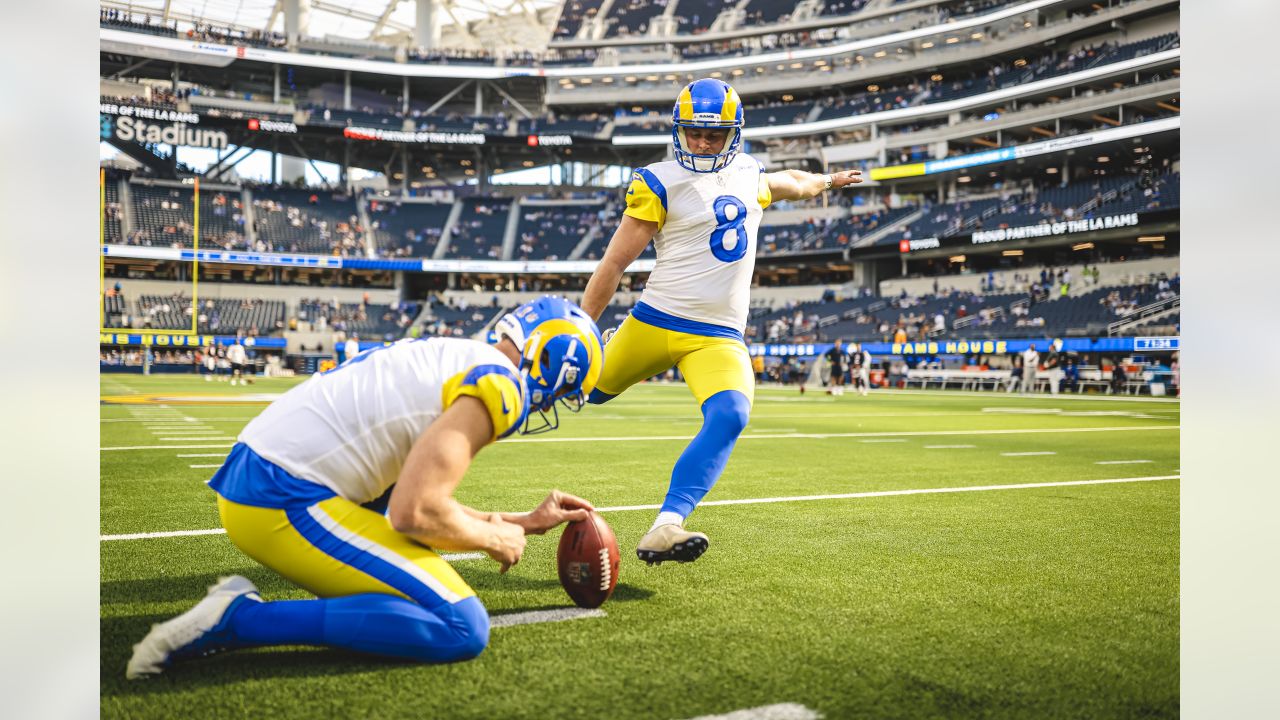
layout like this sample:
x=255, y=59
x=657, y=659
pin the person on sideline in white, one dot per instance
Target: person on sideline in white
x=352, y=348
x=237, y=357
x=1030, y=363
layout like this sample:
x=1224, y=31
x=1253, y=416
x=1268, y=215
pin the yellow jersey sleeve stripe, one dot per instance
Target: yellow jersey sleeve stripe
x=498, y=388
x=647, y=198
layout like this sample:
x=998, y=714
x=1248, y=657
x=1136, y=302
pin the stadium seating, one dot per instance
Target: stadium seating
x=765, y=12
x=608, y=223
x=311, y=221
x=480, y=229
x=696, y=16
x=111, y=213
x=842, y=7
x=573, y=15
x=966, y=315
x=163, y=217
x=848, y=231
x=368, y=320
x=1109, y=195
x=551, y=232
x=587, y=125
x=926, y=90
x=407, y=229
x=632, y=17
x=220, y=316
x=459, y=319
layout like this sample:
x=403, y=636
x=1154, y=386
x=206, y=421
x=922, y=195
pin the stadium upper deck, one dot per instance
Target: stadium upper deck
x=917, y=93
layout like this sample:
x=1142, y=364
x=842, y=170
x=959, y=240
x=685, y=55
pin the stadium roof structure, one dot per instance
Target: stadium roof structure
x=466, y=24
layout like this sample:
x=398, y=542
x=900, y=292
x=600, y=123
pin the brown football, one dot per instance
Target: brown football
x=588, y=561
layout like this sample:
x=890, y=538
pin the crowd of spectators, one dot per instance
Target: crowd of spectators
x=480, y=228
x=551, y=232
x=363, y=319
x=206, y=32
x=292, y=220
x=407, y=229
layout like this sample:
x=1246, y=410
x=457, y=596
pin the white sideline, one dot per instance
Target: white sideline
x=780, y=436
x=748, y=501
x=781, y=711
x=542, y=616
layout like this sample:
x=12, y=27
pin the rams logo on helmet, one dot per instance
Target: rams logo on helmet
x=562, y=356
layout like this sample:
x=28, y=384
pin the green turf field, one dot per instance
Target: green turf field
x=1058, y=601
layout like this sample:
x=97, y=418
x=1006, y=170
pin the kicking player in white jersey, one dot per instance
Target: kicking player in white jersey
x=701, y=211
x=400, y=424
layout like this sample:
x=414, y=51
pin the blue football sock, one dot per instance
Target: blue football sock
x=725, y=415
x=372, y=623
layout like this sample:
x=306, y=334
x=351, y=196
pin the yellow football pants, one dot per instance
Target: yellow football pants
x=336, y=548
x=709, y=365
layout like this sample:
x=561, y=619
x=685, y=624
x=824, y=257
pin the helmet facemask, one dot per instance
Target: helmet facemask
x=554, y=378
x=705, y=163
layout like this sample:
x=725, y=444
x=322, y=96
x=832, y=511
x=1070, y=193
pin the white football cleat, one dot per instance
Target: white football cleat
x=671, y=542
x=197, y=632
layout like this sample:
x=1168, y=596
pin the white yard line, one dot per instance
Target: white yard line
x=949, y=447
x=202, y=419
x=166, y=447
x=1122, y=462
x=1029, y=454
x=823, y=436
x=193, y=434
x=205, y=467
x=781, y=711
x=542, y=616
x=754, y=501
x=788, y=436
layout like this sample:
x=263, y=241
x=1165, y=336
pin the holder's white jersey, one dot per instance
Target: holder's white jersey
x=706, y=240
x=351, y=428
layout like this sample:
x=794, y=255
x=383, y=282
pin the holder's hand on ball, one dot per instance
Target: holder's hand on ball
x=559, y=507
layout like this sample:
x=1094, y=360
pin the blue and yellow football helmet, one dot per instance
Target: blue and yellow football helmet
x=707, y=103
x=562, y=356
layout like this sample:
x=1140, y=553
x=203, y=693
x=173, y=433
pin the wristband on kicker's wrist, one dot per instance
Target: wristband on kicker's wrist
x=829, y=180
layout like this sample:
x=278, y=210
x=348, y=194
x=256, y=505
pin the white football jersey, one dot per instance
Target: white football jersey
x=351, y=428
x=706, y=240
